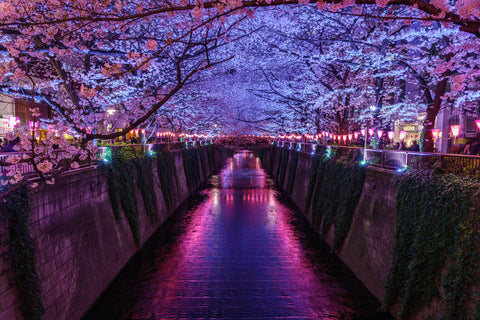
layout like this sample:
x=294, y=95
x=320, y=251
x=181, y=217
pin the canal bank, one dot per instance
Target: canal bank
x=239, y=252
x=78, y=233
x=412, y=238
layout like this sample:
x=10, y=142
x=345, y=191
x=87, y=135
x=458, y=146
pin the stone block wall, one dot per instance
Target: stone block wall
x=80, y=246
x=368, y=248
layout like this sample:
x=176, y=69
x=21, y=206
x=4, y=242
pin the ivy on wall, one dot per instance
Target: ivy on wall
x=334, y=189
x=338, y=187
x=292, y=171
x=146, y=184
x=120, y=173
x=192, y=167
x=21, y=254
x=437, y=231
x=282, y=166
x=167, y=174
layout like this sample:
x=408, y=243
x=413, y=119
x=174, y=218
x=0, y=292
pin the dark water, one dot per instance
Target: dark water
x=238, y=252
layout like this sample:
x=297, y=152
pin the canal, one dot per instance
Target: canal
x=236, y=250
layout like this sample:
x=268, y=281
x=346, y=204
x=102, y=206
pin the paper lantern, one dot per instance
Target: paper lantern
x=390, y=134
x=455, y=130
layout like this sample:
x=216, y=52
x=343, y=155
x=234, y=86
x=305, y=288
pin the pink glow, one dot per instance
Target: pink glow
x=350, y=136
x=403, y=134
x=12, y=121
x=390, y=135
x=477, y=123
x=455, y=130
x=370, y=132
x=379, y=133
x=355, y=134
x=436, y=133
x=363, y=132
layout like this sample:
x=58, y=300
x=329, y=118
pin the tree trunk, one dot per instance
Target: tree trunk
x=432, y=112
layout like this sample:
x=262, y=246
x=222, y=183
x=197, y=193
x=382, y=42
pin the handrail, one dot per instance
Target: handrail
x=402, y=159
x=26, y=168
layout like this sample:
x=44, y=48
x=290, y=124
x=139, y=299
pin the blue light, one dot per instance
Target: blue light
x=402, y=169
x=363, y=163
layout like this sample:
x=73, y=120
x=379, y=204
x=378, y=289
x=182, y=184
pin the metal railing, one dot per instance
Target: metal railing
x=26, y=168
x=395, y=159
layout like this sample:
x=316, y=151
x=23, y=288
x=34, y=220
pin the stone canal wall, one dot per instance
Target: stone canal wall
x=368, y=247
x=80, y=245
x=436, y=272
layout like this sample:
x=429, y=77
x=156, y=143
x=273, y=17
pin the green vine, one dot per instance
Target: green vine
x=316, y=159
x=437, y=222
x=335, y=187
x=292, y=172
x=167, y=174
x=21, y=254
x=146, y=184
x=282, y=166
x=121, y=184
x=191, y=167
x=337, y=191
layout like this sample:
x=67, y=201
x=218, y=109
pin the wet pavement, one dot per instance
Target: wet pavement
x=238, y=252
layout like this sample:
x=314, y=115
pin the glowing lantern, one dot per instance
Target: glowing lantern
x=143, y=131
x=477, y=123
x=390, y=134
x=370, y=132
x=355, y=134
x=350, y=136
x=435, y=133
x=12, y=121
x=344, y=137
x=379, y=133
x=403, y=134
x=158, y=134
x=363, y=132
x=455, y=130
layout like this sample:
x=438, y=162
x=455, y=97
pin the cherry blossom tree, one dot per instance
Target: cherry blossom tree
x=107, y=67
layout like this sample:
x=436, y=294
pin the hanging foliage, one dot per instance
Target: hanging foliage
x=167, y=174
x=144, y=167
x=437, y=228
x=21, y=254
x=120, y=172
x=292, y=171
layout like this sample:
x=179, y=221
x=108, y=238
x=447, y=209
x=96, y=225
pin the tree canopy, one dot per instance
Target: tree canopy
x=107, y=67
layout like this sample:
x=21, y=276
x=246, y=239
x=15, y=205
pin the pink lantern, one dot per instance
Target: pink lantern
x=363, y=132
x=355, y=134
x=350, y=136
x=370, y=132
x=477, y=123
x=435, y=133
x=403, y=134
x=143, y=131
x=158, y=134
x=455, y=130
x=379, y=133
x=12, y=121
x=390, y=134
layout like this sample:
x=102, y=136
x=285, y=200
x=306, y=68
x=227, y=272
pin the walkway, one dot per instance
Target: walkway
x=240, y=253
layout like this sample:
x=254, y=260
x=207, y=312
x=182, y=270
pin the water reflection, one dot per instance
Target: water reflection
x=239, y=253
